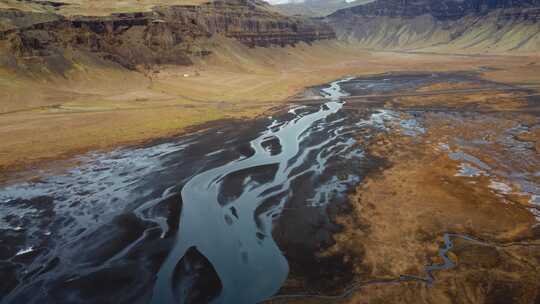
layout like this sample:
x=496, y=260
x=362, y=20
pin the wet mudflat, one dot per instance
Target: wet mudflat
x=233, y=214
x=188, y=220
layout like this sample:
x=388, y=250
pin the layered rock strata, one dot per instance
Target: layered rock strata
x=165, y=35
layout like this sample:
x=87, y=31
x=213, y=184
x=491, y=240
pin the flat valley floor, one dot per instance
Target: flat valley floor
x=416, y=179
x=99, y=108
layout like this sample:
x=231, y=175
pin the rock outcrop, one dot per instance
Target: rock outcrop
x=476, y=25
x=164, y=35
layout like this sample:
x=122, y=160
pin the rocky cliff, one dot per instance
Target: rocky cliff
x=476, y=25
x=164, y=35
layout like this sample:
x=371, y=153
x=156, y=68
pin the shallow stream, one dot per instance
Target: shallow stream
x=220, y=216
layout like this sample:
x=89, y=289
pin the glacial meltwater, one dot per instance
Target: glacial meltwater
x=222, y=215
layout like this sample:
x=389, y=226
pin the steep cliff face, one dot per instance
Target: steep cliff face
x=246, y=22
x=476, y=25
x=165, y=35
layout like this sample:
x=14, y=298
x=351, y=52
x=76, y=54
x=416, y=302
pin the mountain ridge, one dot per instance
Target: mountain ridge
x=469, y=26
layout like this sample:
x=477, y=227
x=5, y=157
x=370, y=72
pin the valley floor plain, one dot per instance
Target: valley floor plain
x=95, y=108
x=422, y=186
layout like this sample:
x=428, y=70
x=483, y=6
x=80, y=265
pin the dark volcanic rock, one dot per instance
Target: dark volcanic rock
x=195, y=279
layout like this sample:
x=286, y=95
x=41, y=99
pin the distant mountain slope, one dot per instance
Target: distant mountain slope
x=471, y=25
x=440, y=9
x=316, y=8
